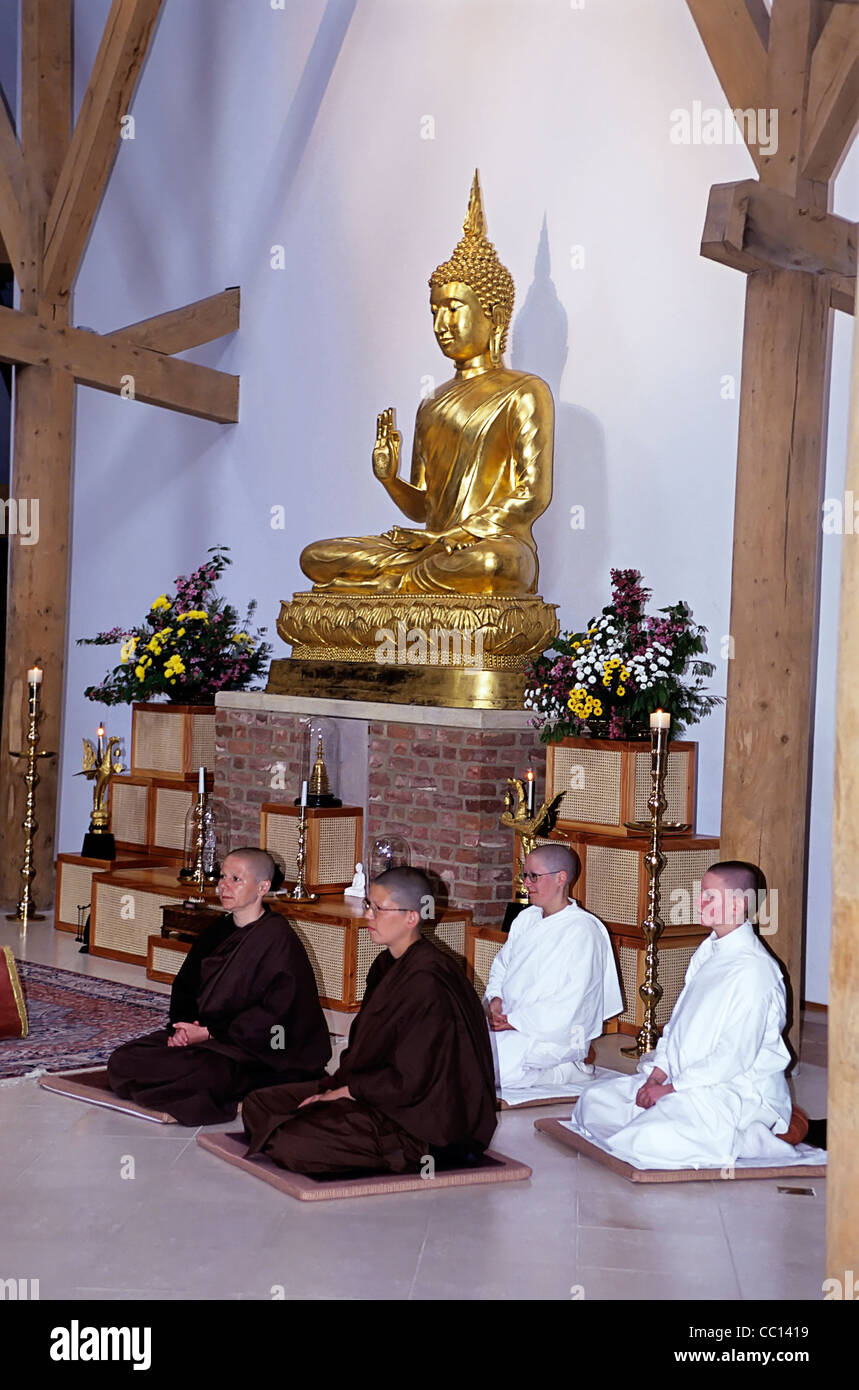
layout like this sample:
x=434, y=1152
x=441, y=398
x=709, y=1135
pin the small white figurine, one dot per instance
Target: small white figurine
x=358, y=887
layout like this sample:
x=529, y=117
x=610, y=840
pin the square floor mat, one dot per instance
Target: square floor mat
x=231, y=1147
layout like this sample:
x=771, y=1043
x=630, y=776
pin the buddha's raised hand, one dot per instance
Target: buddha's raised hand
x=386, y=451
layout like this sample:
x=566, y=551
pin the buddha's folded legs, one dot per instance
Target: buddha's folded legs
x=498, y=565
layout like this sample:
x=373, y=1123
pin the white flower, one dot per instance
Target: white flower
x=592, y=680
x=663, y=661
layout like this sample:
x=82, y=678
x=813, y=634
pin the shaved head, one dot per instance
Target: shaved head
x=259, y=862
x=408, y=887
x=739, y=876
x=556, y=858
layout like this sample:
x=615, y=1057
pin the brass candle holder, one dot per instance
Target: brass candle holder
x=526, y=825
x=299, y=893
x=26, y=910
x=200, y=868
x=99, y=766
x=650, y=991
x=195, y=872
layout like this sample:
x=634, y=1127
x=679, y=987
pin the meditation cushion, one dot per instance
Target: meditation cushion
x=13, y=1011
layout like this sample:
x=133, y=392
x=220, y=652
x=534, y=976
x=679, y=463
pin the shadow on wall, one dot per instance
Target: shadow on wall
x=580, y=563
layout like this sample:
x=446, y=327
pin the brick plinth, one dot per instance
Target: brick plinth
x=442, y=789
x=257, y=759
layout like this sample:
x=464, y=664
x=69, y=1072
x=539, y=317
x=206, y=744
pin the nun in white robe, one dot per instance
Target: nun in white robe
x=557, y=980
x=723, y=1053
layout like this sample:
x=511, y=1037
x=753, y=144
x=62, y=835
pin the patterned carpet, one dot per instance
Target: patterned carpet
x=76, y=1020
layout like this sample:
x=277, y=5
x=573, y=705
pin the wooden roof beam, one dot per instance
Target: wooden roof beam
x=117, y=366
x=752, y=227
x=93, y=147
x=833, y=94
x=735, y=35
x=188, y=327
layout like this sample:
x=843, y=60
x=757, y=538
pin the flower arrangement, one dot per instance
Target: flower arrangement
x=608, y=679
x=189, y=646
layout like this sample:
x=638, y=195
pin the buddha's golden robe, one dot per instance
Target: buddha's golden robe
x=483, y=457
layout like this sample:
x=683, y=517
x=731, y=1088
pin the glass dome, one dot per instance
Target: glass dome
x=320, y=762
x=388, y=852
x=207, y=835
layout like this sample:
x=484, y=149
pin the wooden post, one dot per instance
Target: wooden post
x=775, y=587
x=41, y=456
x=842, y=1203
x=51, y=183
x=781, y=460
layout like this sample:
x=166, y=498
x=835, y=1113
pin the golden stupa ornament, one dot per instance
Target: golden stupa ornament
x=445, y=612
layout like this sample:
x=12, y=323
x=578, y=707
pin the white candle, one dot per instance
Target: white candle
x=100, y=736
x=304, y=793
x=660, y=719
x=529, y=789
x=201, y=781
x=34, y=676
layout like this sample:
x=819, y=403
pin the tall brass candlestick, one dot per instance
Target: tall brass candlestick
x=650, y=992
x=299, y=893
x=26, y=909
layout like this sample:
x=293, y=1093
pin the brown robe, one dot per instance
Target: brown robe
x=244, y=984
x=419, y=1069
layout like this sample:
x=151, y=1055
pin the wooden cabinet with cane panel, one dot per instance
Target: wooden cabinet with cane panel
x=74, y=883
x=482, y=946
x=675, y=949
x=172, y=740
x=607, y=782
x=126, y=910
x=147, y=814
x=614, y=881
x=332, y=848
x=164, y=957
x=334, y=934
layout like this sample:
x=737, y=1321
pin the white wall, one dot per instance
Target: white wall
x=303, y=127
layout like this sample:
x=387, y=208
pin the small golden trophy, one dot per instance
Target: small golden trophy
x=26, y=909
x=99, y=766
x=526, y=823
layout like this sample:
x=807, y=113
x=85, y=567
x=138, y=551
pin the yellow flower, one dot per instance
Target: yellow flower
x=174, y=667
x=197, y=613
x=140, y=672
x=624, y=675
x=597, y=707
x=128, y=649
x=621, y=690
x=154, y=646
x=606, y=680
x=180, y=632
x=161, y=602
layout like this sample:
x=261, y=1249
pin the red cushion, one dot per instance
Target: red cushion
x=13, y=1011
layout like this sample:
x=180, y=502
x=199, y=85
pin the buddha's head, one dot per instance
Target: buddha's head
x=471, y=295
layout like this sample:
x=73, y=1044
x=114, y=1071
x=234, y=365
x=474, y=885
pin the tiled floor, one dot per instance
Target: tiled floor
x=95, y=1204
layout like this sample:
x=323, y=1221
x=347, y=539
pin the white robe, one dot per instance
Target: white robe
x=557, y=981
x=723, y=1053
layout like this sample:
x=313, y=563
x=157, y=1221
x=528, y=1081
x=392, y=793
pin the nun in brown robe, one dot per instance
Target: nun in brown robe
x=252, y=989
x=415, y=1081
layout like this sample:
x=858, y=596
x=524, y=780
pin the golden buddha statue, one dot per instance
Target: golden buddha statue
x=481, y=475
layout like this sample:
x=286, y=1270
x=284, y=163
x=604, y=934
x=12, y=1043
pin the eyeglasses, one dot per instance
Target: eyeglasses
x=531, y=878
x=374, y=907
